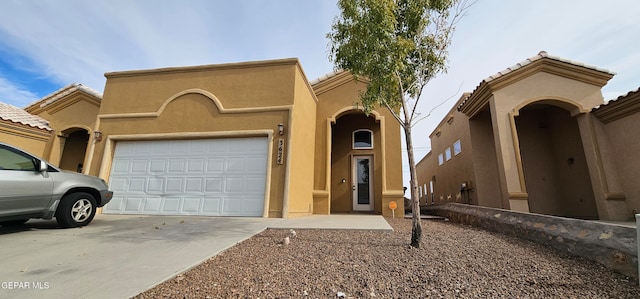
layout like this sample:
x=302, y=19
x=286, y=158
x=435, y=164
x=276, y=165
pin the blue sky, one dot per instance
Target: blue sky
x=47, y=44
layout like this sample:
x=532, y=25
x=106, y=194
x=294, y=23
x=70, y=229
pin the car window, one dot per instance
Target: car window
x=10, y=160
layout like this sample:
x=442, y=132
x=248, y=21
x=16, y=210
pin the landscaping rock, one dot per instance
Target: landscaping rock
x=454, y=261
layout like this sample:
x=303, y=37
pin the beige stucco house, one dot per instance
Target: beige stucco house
x=71, y=113
x=538, y=137
x=17, y=126
x=57, y=127
x=238, y=139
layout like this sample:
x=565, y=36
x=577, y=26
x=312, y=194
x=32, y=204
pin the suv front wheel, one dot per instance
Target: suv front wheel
x=76, y=209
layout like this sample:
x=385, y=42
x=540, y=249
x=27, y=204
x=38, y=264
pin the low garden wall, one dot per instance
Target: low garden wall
x=611, y=245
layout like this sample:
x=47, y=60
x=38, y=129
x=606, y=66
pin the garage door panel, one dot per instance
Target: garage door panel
x=198, y=146
x=235, y=164
x=194, y=185
x=253, y=205
x=171, y=205
x=133, y=203
x=177, y=148
x=174, y=185
x=196, y=165
x=234, y=185
x=254, y=185
x=155, y=185
x=191, y=205
x=152, y=204
x=242, y=206
x=177, y=165
x=115, y=205
x=221, y=177
x=213, y=185
x=137, y=185
x=215, y=165
x=120, y=166
x=158, y=165
x=118, y=184
x=161, y=147
x=255, y=164
x=126, y=149
x=141, y=148
x=233, y=205
x=139, y=166
x=212, y=206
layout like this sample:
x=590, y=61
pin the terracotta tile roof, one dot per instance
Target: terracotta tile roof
x=60, y=93
x=325, y=77
x=619, y=98
x=517, y=66
x=621, y=107
x=540, y=55
x=14, y=114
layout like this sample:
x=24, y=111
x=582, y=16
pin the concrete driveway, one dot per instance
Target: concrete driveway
x=116, y=256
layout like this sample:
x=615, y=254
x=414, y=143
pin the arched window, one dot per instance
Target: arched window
x=363, y=139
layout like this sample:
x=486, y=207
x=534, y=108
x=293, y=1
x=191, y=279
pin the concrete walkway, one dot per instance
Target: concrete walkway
x=339, y=221
x=119, y=256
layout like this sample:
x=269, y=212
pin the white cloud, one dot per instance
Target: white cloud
x=15, y=95
x=78, y=41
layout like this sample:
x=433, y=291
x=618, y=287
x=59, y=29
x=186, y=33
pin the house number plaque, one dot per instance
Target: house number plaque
x=280, y=159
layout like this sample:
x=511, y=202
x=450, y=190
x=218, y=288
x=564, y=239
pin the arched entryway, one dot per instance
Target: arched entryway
x=356, y=174
x=555, y=168
x=74, y=147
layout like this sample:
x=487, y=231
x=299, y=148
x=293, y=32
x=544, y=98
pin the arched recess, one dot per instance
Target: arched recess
x=73, y=144
x=341, y=127
x=553, y=161
x=352, y=110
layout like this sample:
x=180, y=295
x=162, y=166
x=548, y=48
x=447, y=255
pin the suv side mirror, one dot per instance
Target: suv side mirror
x=42, y=167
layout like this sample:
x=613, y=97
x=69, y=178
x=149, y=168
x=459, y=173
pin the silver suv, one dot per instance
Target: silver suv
x=32, y=188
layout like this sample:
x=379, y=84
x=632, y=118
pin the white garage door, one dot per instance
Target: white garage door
x=216, y=177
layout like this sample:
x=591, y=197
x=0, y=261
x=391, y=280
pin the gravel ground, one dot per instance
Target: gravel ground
x=454, y=261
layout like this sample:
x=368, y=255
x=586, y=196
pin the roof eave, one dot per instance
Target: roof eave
x=186, y=69
x=621, y=107
x=541, y=63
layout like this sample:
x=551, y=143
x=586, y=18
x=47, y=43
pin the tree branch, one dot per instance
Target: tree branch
x=440, y=104
x=395, y=115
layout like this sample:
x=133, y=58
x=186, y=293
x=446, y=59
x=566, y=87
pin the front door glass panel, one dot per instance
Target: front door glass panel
x=362, y=183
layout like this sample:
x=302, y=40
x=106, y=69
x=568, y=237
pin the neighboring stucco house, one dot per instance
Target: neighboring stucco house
x=239, y=139
x=29, y=131
x=536, y=137
x=57, y=127
x=71, y=111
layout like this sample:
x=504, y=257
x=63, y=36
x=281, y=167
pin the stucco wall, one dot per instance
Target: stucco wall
x=625, y=148
x=487, y=177
x=424, y=169
x=453, y=172
x=237, y=85
x=301, y=149
x=27, y=138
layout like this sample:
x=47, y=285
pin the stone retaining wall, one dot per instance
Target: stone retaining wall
x=613, y=246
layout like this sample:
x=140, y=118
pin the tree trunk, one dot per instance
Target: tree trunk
x=416, y=229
